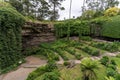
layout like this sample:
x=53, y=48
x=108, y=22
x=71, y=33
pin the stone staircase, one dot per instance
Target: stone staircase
x=35, y=33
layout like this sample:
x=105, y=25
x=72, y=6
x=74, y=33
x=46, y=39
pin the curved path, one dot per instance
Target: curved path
x=23, y=71
x=34, y=62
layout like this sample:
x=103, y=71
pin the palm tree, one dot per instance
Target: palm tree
x=88, y=68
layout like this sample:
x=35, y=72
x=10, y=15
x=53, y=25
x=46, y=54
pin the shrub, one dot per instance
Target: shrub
x=111, y=72
x=11, y=23
x=86, y=38
x=71, y=51
x=113, y=11
x=111, y=28
x=104, y=60
x=66, y=63
x=118, y=55
x=55, y=75
x=76, y=27
x=51, y=66
x=111, y=66
x=95, y=53
x=112, y=47
x=78, y=56
x=113, y=62
x=87, y=49
x=117, y=76
x=36, y=73
x=61, y=53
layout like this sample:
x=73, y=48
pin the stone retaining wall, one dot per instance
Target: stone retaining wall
x=35, y=33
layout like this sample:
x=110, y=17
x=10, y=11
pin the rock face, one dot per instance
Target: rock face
x=35, y=33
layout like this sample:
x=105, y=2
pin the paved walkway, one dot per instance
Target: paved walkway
x=23, y=71
x=34, y=62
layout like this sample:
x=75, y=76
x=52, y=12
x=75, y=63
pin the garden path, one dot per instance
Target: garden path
x=33, y=63
x=23, y=71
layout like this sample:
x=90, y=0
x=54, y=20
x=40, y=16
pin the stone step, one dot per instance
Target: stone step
x=32, y=66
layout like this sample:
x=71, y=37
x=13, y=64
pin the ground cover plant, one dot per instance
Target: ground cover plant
x=112, y=47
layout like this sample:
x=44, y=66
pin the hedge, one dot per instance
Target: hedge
x=111, y=28
x=11, y=23
x=76, y=27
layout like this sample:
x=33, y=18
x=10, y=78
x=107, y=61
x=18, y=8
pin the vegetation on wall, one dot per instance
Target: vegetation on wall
x=111, y=28
x=10, y=36
x=76, y=27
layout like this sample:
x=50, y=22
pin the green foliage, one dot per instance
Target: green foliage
x=88, y=14
x=110, y=78
x=113, y=11
x=88, y=68
x=66, y=63
x=36, y=73
x=62, y=54
x=91, y=51
x=11, y=23
x=111, y=72
x=51, y=76
x=46, y=72
x=47, y=53
x=86, y=38
x=111, y=28
x=104, y=60
x=112, y=47
x=117, y=76
x=76, y=27
x=51, y=66
x=78, y=56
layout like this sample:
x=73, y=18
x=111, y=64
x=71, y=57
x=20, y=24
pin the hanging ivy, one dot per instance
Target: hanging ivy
x=11, y=23
x=71, y=28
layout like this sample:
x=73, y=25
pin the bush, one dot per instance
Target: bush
x=112, y=47
x=61, y=53
x=95, y=53
x=78, y=56
x=87, y=49
x=105, y=60
x=118, y=56
x=66, y=63
x=55, y=75
x=111, y=72
x=36, y=73
x=86, y=38
x=50, y=67
x=111, y=28
x=76, y=27
x=11, y=23
x=117, y=76
x=112, y=66
x=113, y=11
x=113, y=62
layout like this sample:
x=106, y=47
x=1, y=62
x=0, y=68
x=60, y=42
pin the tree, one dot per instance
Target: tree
x=88, y=68
x=100, y=5
x=112, y=11
x=17, y=4
x=55, y=5
x=43, y=10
